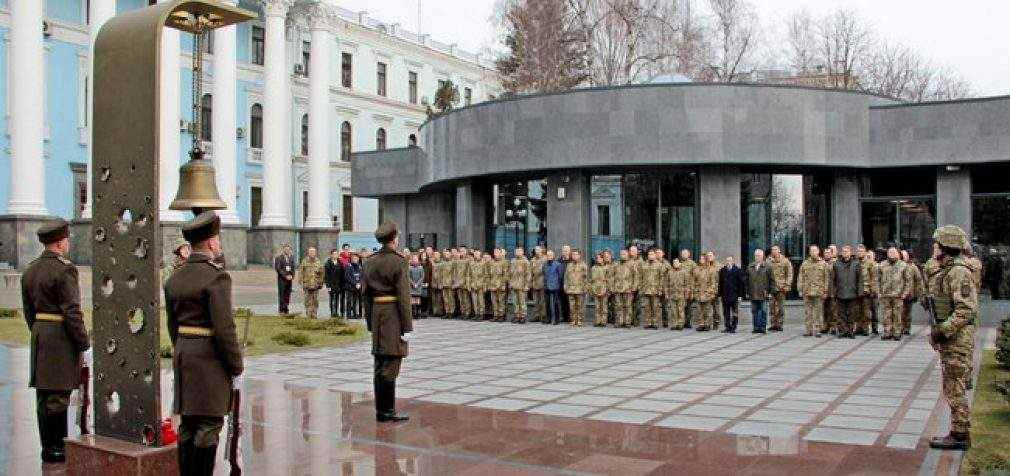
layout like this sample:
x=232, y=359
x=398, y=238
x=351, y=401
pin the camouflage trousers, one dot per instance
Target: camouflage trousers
x=813, y=314
x=892, y=308
x=704, y=312
x=653, y=309
x=498, y=304
x=677, y=309
x=600, y=302
x=437, y=306
x=906, y=316
x=830, y=315
x=519, y=305
x=633, y=310
x=622, y=306
x=449, y=301
x=477, y=303
x=577, y=308
x=846, y=311
x=311, y=302
x=866, y=304
x=955, y=358
x=463, y=299
x=539, y=305
x=777, y=310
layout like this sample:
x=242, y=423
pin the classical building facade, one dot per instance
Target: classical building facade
x=307, y=83
x=727, y=168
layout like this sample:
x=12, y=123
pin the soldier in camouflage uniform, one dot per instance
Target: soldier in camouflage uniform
x=537, y=285
x=437, y=309
x=448, y=292
x=599, y=276
x=704, y=287
x=955, y=305
x=813, y=286
x=477, y=284
x=310, y=277
x=678, y=291
x=520, y=275
x=461, y=282
x=913, y=276
x=498, y=276
x=782, y=271
x=636, y=262
x=651, y=289
x=576, y=277
x=664, y=314
x=830, y=303
x=868, y=303
x=620, y=288
x=892, y=287
x=608, y=261
x=688, y=264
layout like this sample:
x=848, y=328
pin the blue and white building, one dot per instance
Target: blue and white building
x=289, y=96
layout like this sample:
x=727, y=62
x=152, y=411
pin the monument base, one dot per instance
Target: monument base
x=264, y=243
x=80, y=242
x=19, y=243
x=323, y=239
x=99, y=455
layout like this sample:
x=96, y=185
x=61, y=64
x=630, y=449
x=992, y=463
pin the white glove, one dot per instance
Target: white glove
x=406, y=337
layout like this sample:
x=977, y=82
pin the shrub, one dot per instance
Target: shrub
x=1003, y=343
x=8, y=313
x=310, y=325
x=343, y=330
x=294, y=339
x=243, y=312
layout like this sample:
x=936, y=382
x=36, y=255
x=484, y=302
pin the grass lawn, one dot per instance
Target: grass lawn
x=990, y=423
x=267, y=334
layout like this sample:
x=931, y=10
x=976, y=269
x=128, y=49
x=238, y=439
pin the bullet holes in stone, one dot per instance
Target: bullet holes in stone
x=99, y=234
x=124, y=221
x=140, y=249
x=110, y=346
x=148, y=376
x=105, y=174
x=142, y=220
x=135, y=320
x=108, y=286
x=131, y=282
x=112, y=403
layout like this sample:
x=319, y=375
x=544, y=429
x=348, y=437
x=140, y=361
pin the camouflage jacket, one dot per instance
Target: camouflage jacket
x=599, y=276
x=652, y=278
x=814, y=278
x=520, y=274
x=498, y=274
x=576, y=277
x=537, y=273
x=782, y=271
x=704, y=282
x=310, y=274
x=678, y=283
x=621, y=279
x=869, y=274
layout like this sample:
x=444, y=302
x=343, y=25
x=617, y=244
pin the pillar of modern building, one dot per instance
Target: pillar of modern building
x=568, y=211
x=953, y=197
x=169, y=149
x=719, y=211
x=276, y=119
x=471, y=215
x=319, y=122
x=101, y=11
x=845, y=211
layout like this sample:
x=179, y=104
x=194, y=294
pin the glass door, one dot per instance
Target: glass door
x=906, y=223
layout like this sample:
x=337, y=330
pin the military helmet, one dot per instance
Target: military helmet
x=952, y=236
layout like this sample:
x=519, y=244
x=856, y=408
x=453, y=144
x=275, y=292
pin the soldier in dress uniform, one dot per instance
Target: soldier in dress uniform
x=498, y=272
x=537, y=285
x=621, y=280
x=207, y=356
x=913, y=275
x=520, y=274
x=310, y=277
x=385, y=287
x=678, y=291
x=651, y=289
x=598, y=277
x=893, y=287
x=576, y=277
x=51, y=300
x=955, y=309
x=782, y=271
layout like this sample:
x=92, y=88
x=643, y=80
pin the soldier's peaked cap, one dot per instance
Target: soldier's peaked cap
x=202, y=227
x=386, y=232
x=53, y=231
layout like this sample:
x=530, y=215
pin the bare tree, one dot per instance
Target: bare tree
x=895, y=70
x=845, y=41
x=631, y=40
x=548, y=47
x=733, y=40
x=801, y=43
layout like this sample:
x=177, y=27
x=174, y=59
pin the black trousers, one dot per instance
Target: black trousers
x=555, y=300
x=566, y=310
x=51, y=412
x=198, y=440
x=283, y=294
x=387, y=369
x=731, y=314
x=335, y=310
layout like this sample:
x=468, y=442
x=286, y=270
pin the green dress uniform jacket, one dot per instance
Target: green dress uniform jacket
x=49, y=286
x=199, y=295
x=387, y=274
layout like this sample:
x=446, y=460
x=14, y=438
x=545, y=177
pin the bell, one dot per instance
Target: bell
x=197, y=186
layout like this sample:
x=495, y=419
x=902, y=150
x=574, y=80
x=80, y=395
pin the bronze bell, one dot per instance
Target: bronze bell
x=197, y=186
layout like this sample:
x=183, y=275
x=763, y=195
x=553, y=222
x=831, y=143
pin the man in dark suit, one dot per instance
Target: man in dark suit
x=284, y=266
x=52, y=306
x=731, y=289
x=206, y=356
x=334, y=280
x=385, y=289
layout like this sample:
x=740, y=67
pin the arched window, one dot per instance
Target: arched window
x=412, y=140
x=205, y=112
x=305, y=134
x=256, y=127
x=380, y=139
x=345, y=141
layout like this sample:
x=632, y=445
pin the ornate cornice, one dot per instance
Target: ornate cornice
x=277, y=8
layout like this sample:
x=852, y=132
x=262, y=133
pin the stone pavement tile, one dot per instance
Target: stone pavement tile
x=688, y=422
x=504, y=404
x=594, y=400
x=539, y=395
x=854, y=422
x=811, y=396
x=720, y=411
x=733, y=400
x=881, y=391
x=865, y=410
x=903, y=442
x=704, y=380
x=865, y=400
x=560, y=409
x=563, y=387
x=488, y=390
x=694, y=388
x=762, y=383
x=466, y=378
x=917, y=414
x=354, y=387
x=924, y=404
x=912, y=426
x=625, y=416
x=827, y=389
x=667, y=395
x=758, y=428
x=451, y=397
x=838, y=435
x=651, y=405
x=783, y=416
x=750, y=391
x=585, y=379
x=407, y=392
x=617, y=391
x=639, y=383
x=515, y=382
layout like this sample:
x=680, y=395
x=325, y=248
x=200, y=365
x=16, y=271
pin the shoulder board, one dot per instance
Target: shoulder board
x=219, y=266
x=65, y=261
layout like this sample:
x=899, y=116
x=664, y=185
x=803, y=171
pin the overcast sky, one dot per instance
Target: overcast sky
x=971, y=36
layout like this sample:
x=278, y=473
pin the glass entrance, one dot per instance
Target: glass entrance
x=644, y=210
x=520, y=214
x=906, y=223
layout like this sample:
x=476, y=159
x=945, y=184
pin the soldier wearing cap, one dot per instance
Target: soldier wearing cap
x=955, y=307
x=52, y=307
x=386, y=291
x=207, y=356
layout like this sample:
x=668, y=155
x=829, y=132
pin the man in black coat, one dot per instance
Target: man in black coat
x=284, y=266
x=847, y=276
x=334, y=280
x=731, y=288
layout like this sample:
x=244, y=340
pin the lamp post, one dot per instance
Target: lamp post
x=516, y=215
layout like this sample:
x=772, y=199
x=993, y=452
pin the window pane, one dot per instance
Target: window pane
x=206, y=131
x=380, y=139
x=305, y=134
x=645, y=210
x=991, y=237
x=345, y=69
x=896, y=183
x=412, y=86
x=345, y=142
x=348, y=210
x=380, y=79
x=258, y=35
x=256, y=127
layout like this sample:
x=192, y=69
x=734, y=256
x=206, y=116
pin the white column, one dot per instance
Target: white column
x=319, y=124
x=169, y=150
x=27, y=121
x=223, y=118
x=276, y=119
x=101, y=11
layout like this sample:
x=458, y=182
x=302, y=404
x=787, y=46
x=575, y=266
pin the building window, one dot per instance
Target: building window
x=380, y=79
x=348, y=208
x=306, y=57
x=206, y=109
x=345, y=141
x=256, y=127
x=258, y=42
x=650, y=209
x=467, y=96
x=412, y=140
x=380, y=139
x=255, y=205
x=305, y=206
x=305, y=134
x=345, y=69
x=603, y=220
x=412, y=86
x=80, y=189
x=208, y=42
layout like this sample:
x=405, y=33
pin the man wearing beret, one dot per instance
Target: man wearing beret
x=207, y=356
x=52, y=306
x=385, y=289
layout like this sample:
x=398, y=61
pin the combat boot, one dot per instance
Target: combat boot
x=203, y=461
x=388, y=402
x=953, y=441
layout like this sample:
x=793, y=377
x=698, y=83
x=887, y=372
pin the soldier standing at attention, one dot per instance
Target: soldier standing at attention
x=847, y=278
x=284, y=266
x=207, y=356
x=913, y=276
x=50, y=296
x=537, y=285
x=435, y=290
x=608, y=261
x=385, y=288
x=461, y=282
x=893, y=288
x=520, y=274
x=477, y=277
x=688, y=265
x=830, y=308
x=620, y=288
x=868, y=303
x=955, y=304
x=310, y=277
x=813, y=286
x=704, y=285
x=499, y=272
x=636, y=262
x=651, y=289
x=782, y=271
x=576, y=276
x=598, y=277
x=677, y=292
x=448, y=287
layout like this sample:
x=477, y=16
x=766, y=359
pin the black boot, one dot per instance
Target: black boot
x=185, y=457
x=953, y=441
x=204, y=460
x=380, y=395
x=389, y=403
